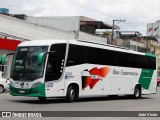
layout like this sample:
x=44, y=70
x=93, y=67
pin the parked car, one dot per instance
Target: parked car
x=158, y=81
x=4, y=84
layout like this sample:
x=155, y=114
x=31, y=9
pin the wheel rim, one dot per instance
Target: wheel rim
x=1, y=89
x=137, y=92
x=72, y=94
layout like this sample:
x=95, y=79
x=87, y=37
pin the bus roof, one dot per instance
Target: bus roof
x=46, y=42
x=80, y=42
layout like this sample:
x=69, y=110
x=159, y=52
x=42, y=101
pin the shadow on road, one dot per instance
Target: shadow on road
x=112, y=98
x=93, y=99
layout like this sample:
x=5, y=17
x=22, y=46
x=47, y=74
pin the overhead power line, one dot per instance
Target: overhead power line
x=94, y=10
x=88, y=8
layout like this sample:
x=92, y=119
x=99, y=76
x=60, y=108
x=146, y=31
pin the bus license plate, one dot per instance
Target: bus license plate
x=22, y=91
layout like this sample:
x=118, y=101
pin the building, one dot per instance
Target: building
x=153, y=29
x=70, y=23
x=31, y=28
x=130, y=39
x=154, y=47
x=4, y=11
x=8, y=44
x=82, y=26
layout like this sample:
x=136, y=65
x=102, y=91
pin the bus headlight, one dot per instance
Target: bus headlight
x=36, y=84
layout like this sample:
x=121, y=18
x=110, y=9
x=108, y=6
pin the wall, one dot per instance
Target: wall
x=23, y=29
x=153, y=29
x=69, y=23
x=92, y=38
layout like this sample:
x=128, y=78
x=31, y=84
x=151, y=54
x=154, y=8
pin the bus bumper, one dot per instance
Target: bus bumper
x=38, y=91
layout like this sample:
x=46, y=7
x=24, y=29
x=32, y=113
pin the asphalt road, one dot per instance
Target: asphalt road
x=121, y=103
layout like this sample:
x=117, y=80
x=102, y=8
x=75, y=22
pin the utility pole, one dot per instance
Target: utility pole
x=114, y=26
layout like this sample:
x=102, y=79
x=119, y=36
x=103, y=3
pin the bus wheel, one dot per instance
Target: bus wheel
x=42, y=98
x=71, y=94
x=137, y=92
x=1, y=89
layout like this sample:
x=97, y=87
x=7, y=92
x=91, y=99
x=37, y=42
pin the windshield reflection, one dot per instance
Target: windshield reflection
x=24, y=66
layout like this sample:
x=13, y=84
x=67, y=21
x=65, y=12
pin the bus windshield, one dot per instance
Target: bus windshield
x=24, y=66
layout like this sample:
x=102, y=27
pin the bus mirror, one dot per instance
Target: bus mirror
x=42, y=55
x=3, y=59
x=40, y=58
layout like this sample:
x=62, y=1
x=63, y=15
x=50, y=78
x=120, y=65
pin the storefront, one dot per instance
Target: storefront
x=7, y=46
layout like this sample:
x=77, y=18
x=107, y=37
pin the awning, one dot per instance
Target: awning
x=9, y=44
x=96, y=24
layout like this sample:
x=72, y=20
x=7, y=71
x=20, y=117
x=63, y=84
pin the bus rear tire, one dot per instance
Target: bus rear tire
x=42, y=99
x=137, y=92
x=71, y=95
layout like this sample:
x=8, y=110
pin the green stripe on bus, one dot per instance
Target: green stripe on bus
x=150, y=55
x=145, y=78
x=38, y=91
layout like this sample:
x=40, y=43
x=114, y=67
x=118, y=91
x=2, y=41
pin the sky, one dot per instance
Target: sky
x=137, y=13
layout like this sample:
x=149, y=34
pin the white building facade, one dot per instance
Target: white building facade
x=153, y=29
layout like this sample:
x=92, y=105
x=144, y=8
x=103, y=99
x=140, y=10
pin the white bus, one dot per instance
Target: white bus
x=75, y=69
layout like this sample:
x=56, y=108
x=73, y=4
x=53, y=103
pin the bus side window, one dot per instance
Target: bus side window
x=152, y=62
x=134, y=61
x=148, y=62
x=94, y=55
x=109, y=57
x=55, y=62
x=123, y=59
x=51, y=66
x=76, y=55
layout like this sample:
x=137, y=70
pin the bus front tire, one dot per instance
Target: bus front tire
x=42, y=98
x=1, y=89
x=137, y=92
x=71, y=95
